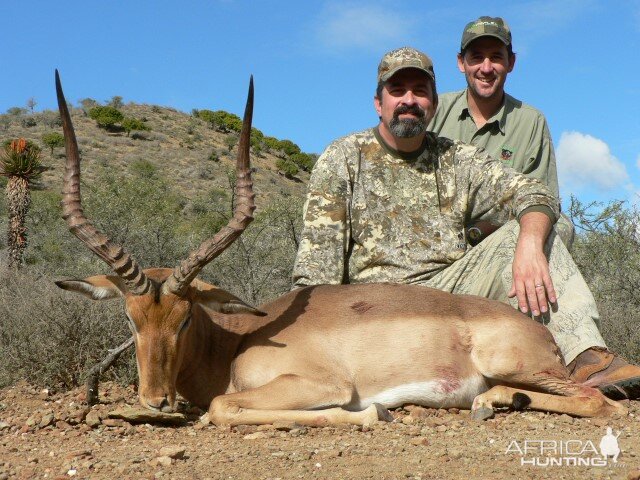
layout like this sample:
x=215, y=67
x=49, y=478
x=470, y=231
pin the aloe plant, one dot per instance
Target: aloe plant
x=20, y=163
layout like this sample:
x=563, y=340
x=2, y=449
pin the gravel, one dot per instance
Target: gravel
x=57, y=436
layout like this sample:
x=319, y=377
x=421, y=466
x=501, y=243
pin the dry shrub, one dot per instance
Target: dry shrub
x=51, y=338
x=607, y=251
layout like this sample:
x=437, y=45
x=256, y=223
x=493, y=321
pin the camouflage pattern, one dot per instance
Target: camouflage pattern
x=375, y=215
x=486, y=271
x=405, y=57
x=566, y=231
x=486, y=27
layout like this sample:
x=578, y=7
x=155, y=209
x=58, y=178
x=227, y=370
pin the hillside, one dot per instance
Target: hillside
x=178, y=144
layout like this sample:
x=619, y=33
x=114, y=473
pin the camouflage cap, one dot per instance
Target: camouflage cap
x=486, y=27
x=405, y=57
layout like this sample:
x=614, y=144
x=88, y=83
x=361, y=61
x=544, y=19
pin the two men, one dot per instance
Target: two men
x=390, y=204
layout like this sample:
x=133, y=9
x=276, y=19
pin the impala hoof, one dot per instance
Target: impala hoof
x=204, y=419
x=482, y=413
x=383, y=413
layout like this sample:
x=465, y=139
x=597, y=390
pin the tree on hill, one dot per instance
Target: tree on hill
x=53, y=140
x=31, y=104
x=116, y=102
x=88, y=103
x=20, y=163
x=287, y=167
x=130, y=124
x=288, y=147
x=223, y=121
x=106, y=117
x=303, y=160
x=16, y=111
x=285, y=146
x=231, y=141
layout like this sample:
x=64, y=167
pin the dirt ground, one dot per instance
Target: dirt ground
x=44, y=434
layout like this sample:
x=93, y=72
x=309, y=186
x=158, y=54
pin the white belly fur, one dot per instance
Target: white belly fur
x=428, y=394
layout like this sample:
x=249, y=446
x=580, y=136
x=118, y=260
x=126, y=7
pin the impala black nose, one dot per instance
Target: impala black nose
x=161, y=404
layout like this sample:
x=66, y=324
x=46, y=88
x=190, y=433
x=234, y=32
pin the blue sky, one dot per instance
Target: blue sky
x=315, y=63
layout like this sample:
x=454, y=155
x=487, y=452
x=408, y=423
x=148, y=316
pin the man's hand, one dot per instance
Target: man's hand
x=531, y=278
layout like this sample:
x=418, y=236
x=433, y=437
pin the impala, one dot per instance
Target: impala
x=318, y=355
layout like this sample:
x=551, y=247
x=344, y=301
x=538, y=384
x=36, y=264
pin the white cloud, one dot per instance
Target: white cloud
x=586, y=161
x=345, y=26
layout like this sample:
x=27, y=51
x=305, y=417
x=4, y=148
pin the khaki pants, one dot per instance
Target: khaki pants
x=486, y=271
x=566, y=231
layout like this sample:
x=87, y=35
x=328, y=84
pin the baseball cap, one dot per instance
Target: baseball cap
x=486, y=27
x=405, y=57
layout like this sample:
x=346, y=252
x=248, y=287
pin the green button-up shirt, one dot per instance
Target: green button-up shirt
x=517, y=134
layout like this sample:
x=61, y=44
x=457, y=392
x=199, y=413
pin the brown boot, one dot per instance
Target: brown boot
x=613, y=376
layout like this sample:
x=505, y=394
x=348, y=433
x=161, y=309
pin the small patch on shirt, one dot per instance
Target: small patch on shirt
x=506, y=154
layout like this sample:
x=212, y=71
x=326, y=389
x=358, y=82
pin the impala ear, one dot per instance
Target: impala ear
x=99, y=287
x=220, y=300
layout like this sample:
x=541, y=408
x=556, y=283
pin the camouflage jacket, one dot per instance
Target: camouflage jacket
x=374, y=214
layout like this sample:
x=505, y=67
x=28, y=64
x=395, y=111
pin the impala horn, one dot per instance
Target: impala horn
x=113, y=255
x=188, y=269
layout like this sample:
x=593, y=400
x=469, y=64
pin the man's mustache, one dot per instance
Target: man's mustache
x=413, y=109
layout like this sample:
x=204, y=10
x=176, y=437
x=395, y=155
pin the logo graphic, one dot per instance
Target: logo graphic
x=506, y=154
x=609, y=445
x=567, y=453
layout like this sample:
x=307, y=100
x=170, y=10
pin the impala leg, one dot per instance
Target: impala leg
x=291, y=398
x=583, y=402
x=538, y=367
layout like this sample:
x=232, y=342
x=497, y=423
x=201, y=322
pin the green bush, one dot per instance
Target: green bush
x=213, y=156
x=231, y=141
x=130, y=124
x=272, y=143
x=106, y=117
x=28, y=122
x=288, y=147
x=256, y=138
x=303, y=160
x=285, y=146
x=287, y=167
x=224, y=121
x=206, y=115
x=16, y=111
x=143, y=168
x=53, y=140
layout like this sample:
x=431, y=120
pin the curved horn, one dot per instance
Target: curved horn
x=188, y=269
x=113, y=255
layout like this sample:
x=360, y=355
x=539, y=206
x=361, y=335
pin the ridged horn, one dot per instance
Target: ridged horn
x=188, y=269
x=113, y=255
